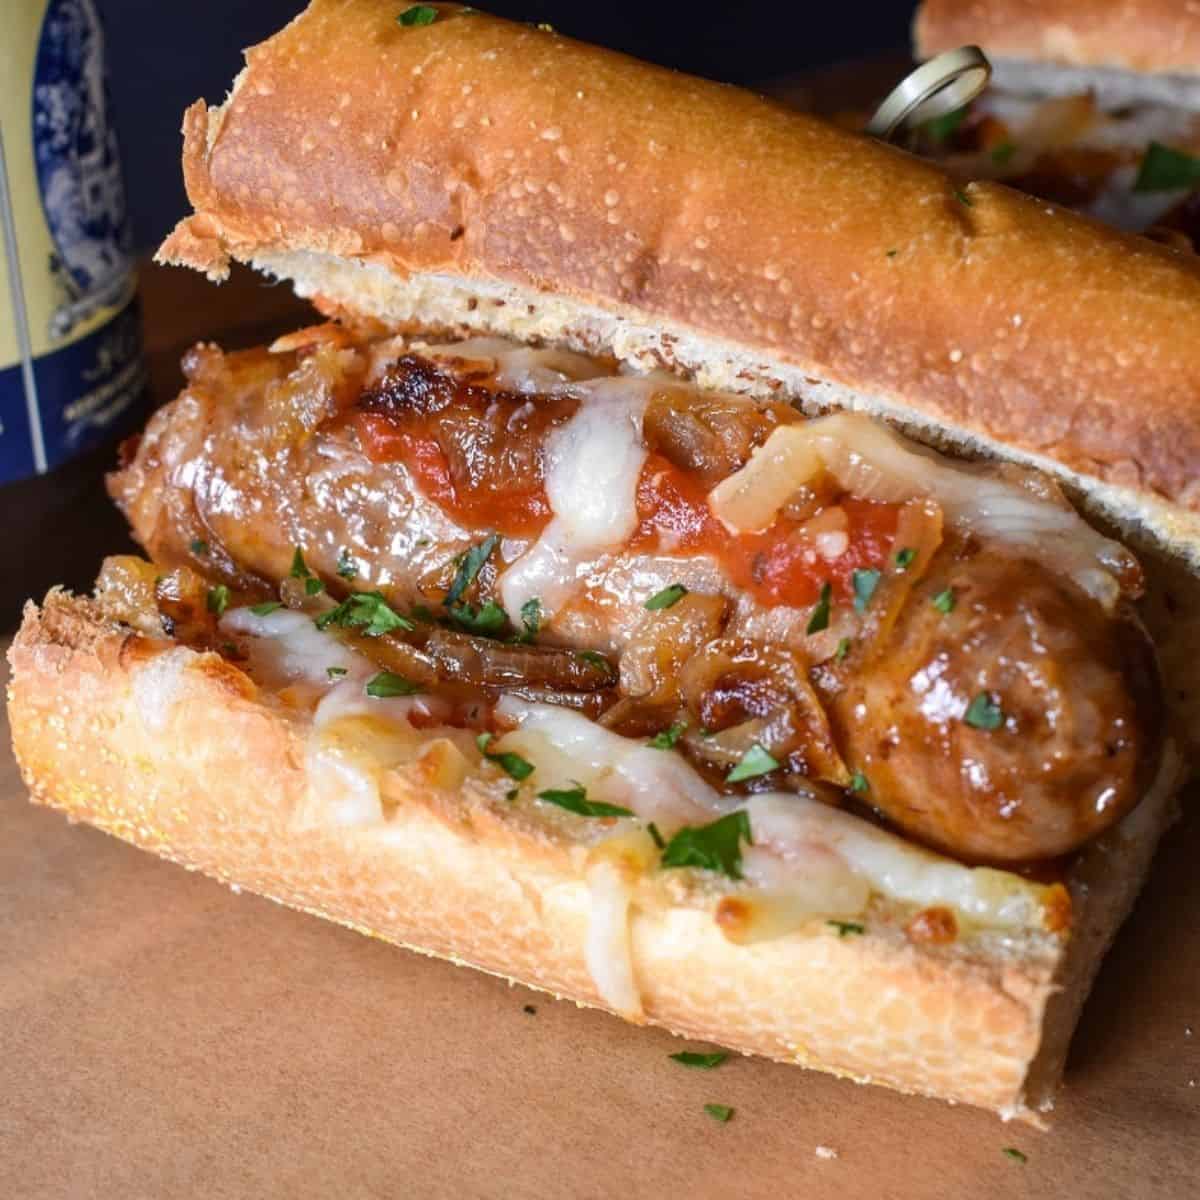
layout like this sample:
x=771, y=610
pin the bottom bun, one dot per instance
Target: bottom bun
x=180, y=752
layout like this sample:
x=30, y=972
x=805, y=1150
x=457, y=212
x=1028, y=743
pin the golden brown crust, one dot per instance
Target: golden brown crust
x=177, y=752
x=483, y=154
x=1133, y=35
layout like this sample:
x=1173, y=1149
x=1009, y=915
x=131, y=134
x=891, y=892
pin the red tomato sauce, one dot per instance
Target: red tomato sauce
x=776, y=566
x=514, y=508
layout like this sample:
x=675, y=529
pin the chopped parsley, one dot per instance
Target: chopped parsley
x=531, y=619
x=299, y=566
x=313, y=586
x=512, y=794
x=487, y=620
x=334, y=672
x=667, y=597
x=366, y=610
x=939, y=130
x=713, y=847
x=345, y=565
x=199, y=546
x=847, y=928
x=864, y=581
x=596, y=659
x=945, y=600
x=265, y=608
x=385, y=685
x=1167, y=170
x=699, y=1062
x=418, y=14
x=858, y=783
x=217, y=600
x=658, y=838
x=719, y=1112
x=469, y=566
x=1002, y=153
x=984, y=713
x=843, y=648
x=513, y=765
x=755, y=762
x=904, y=558
x=820, y=614
x=575, y=800
x=1015, y=1154
x=963, y=198
x=665, y=739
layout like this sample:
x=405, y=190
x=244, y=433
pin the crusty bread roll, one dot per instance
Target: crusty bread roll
x=180, y=753
x=1125, y=51
x=473, y=174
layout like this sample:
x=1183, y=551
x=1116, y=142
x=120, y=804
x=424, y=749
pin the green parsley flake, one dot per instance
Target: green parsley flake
x=469, y=566
x=864, y=581
x=299, y=566
x=217, y=600
x=858, y=783
x=386, y=685
x=596, y=660
x=665, y=739
x=699, y=1062
x=945, y=600
x=487, y=620
x=575, y=800
x=513, y=765
x=334, y=672
x=199, y=547
x=531, y=619
x=313, y=586
x=984, y=713
x=346, y=567
x=719, y=1112
x=265, y=608
x=713, y=847
x=904, y=558
x=847, y=928
x=667, y=597
x=366, y=610
x=658, y=838
x=843, y=648
x=1167, y=170
x=939, y=130
x=820, y=614
x=963, y=198
x=1015, y=1154
x=418, y=14
x=756, y=761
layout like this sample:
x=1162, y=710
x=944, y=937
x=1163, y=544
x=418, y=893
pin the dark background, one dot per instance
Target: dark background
x=164, y=54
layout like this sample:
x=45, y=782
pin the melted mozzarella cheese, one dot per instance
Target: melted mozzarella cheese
x=592, y=467
x=608, y=950
x=286, y=647
x=567, y=748
x=804, y=840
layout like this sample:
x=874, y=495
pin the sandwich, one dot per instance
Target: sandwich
x=707, y=565
x=1093, y=105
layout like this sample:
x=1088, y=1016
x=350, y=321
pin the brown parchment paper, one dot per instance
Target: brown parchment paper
x=161, y=1036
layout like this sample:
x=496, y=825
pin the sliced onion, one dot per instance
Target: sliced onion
x=873, y=463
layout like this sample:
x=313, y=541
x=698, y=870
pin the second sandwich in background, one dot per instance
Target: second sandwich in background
x=1093, y=105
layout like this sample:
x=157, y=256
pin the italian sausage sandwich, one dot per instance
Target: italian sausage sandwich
x=1094, y=105
x=708, y=566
